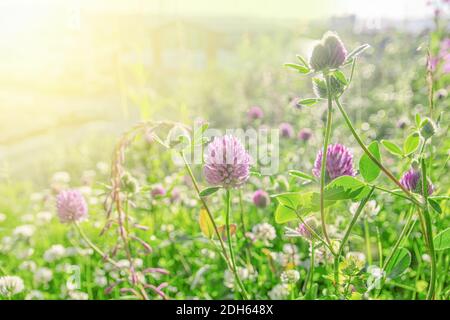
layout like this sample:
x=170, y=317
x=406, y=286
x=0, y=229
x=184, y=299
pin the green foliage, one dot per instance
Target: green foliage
x=368, y=169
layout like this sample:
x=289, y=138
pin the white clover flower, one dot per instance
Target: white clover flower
x=279, y=292
x=376, y=274
x=34, y=295
x=290, y=276
x=264, y=232
x=322, y=255
x=244, y=274
x=6, y=244
x=289, y=256
x=55, y=252
x=24, y=253
x=78, y=295
x=138, y=263
x=123, y=264
x=100, y=280
x=426, y=257
x=11, y=285
x=43, y=275
x=28, y=265
x=371, y=209
x=208, y=253
x=24, y=232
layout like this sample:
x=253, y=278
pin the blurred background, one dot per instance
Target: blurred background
x=75, y=74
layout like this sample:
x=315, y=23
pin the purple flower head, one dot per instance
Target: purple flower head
x=71, y=206
x=412, y=181
x=330, y=53
x=261, y=198
x=286, y=130
x=305, y=134
x=255, y=113
x=339, y=162
x=175, y=195
x=227, y=163
x=302, y=230
x=158, y=191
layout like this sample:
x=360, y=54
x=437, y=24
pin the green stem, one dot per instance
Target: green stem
x=428, y=232
x=244, y=229
x=309, y=279
x=324, y=162
x=230, y=246
x=346, y=236
x=403, y=234
x=216, y=230
x=391, y=192
x=367, y=240
x=380, y=248
x=372, y=157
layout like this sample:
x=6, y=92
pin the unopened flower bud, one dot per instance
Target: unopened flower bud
x=320, y=87
x=330, y=53
x=130, y=184
x=428, y=128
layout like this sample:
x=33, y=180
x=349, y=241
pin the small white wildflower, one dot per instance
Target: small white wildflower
x=24, y=232
x=374, y=280
x=208, y=253
x=78, y=295
x=11, y=285
x=43, y=275
x=28, y=265
x=6, y=244
x=123, y=264
x=244, y=274
x=371, y=209
x=100, y=281
x=290, y=276
x=426, y=258
x=34, y=295
x=375, y=272
x=279, y=292
x=55, y=252
x=2, y=217
x=24, y=253
x=264, y=232
x=138, y=263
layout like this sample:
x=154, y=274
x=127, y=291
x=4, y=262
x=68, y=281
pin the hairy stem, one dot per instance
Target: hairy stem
x=230, y=245
x=428, y=232
x=324, y=162
x=216, y=230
